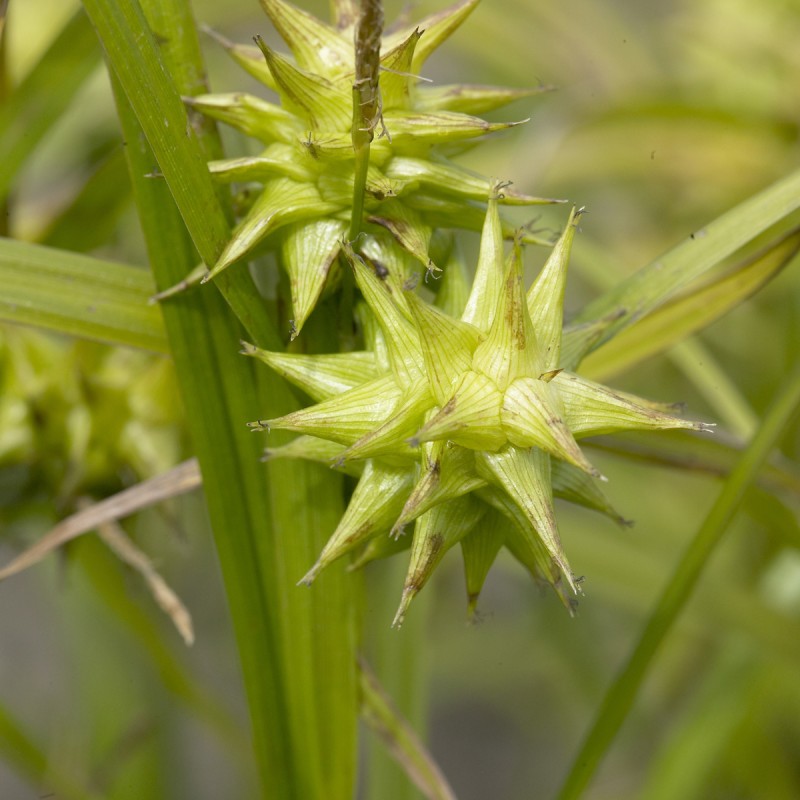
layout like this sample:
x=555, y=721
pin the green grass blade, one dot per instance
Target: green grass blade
x=297, y=645
x=653, y=285
x=317, y=627
x=46, y=92
x=622, y=693
x=163, y=118
x=79, y=296
x=319, y=678
x=692, y=311
x=134, y=57
x=686, y=762
x=218, y=391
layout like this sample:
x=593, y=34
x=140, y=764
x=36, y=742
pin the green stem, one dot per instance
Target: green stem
x=217, y=392
x=366, y=101
x=359, y=183
x=622, y=693
x=297, y=646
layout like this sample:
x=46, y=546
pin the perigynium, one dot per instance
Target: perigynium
x=462, y=419
x=304, y=201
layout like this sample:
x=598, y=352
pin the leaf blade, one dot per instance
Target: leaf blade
x=690, y=312
x=657, y=282
x=79, y=295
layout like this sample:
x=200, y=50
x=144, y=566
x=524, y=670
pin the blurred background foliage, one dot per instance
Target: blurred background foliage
x=664, y=115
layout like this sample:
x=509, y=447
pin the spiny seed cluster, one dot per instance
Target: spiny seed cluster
x=305, y=171
x=460, y=418
x=462, y=421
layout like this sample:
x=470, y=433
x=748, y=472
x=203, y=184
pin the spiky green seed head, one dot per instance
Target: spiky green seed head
x=467, y=424
x=306, y=169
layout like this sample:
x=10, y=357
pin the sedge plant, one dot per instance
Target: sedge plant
x=354, y=388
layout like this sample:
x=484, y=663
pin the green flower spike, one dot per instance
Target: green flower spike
x=308, y=163
x=466, y=426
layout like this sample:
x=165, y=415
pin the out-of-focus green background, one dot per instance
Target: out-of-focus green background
x=665, y=115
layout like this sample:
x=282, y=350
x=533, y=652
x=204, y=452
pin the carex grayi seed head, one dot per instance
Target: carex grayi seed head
x=462, y=418
x=305, y=173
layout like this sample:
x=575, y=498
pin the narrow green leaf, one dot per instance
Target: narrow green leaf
x=693, y=310
x=217, y=390
x=43, y=96
x=132, y=52
x=79, y=296
x=269, y=522
x=659, y=281
x=622, y=694
x=135, y=58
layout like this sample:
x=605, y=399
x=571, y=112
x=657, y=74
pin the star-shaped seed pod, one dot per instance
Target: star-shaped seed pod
x=464, y=420
x=306, y=169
